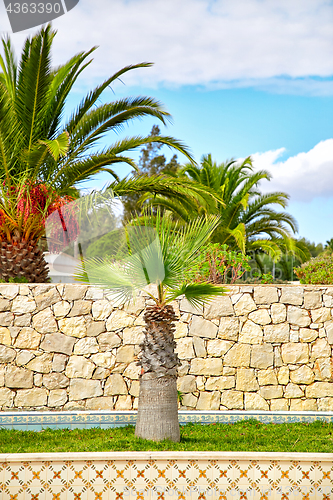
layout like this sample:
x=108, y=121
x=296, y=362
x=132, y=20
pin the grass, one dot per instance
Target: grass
x=250, y=435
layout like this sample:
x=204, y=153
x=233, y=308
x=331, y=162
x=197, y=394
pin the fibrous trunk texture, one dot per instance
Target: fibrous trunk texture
x=157, y=417
x=23, y=259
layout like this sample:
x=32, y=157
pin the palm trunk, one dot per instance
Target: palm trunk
x=157, y=417
x=23, y=259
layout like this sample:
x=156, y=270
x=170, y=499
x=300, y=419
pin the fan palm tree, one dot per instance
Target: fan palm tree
x=156, y=252
x=39, y=151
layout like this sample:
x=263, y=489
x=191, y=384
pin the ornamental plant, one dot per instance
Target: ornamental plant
x=317, y=271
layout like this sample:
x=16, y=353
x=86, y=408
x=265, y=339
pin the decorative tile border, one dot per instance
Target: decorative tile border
x=107, y=419
x=166, y=475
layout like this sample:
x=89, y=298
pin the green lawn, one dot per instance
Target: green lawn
x=250, y=435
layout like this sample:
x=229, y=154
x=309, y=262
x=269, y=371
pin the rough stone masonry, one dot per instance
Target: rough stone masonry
x=260, y=347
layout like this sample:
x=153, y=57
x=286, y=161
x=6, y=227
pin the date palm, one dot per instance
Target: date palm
x=158, y=252
x=41, y=150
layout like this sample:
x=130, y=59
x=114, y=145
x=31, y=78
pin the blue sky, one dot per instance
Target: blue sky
x=248, y=77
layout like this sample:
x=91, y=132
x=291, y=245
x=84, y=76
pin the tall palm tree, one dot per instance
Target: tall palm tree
x=156, y=252
x=39, y=151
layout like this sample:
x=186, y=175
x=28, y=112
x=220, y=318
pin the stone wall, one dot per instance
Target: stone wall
x=259, y=347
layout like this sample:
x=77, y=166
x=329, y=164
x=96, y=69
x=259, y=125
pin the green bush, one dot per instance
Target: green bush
x=17, y=279
x=317, y=271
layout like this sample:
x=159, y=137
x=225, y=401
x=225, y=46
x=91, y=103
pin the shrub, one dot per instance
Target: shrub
x=317, y=271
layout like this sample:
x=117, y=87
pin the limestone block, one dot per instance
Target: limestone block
x=277, y=333
x=132, y=371
x=228, y=328
x=283, y=375
x=208, y=401
x=183, y=368
x=200, y=381
x=303, y=375
x=329, y=331
x=220, y=383
x=108, y=341
x=73, y=327
x=80, y=307
x=245, y=305
x=87, y=345
x=94, y=328
x=186, y=384
x=22, y=320
x=271, y=391
x=307, y=335
x=94, y=293
x=18, y=378
x=323, y=369
x=185, y=306
x=238, y=355
x=38, y=379
x=55, y=381
x=28, y=338
x=31, y=397
x=57, y=342
x=321, y=315
x=5, y=337
x=206, y=366
x=57, y=397
x=135, y=307
x=41, y=364
x=134, y=335
x=23, y=304
x=23, y=358
x=202, y=328
x=267, y=377
x=115, y=385
x=280, y=404
x=250, y=333
x=297, y=316
x=199, y=347
x=184, y=348
x=218, y=348
x=135, y=388
x=294, y=336
x=123, y=403
x=312, y=300
x=6, y=318
x=261, y=356
x=61, y=309
x=101, y=373
x=84, y=389
x=79, y=367
x=125, y=354
x=2, y=376
x=265, y=294
x=6, y=397
x=328, y=300
x=102, y=403
x=293, y=391
x=261, y=317
x=101, y=309
x=74, y=292
x=246, y=380
x=292, y=295
x=295, y=353
x=319, y=390
x=227, y=371
x=6, y=354
x=253, y=401
x=104, y=359
x=320, y=349
x=181, y=330
x=277, y=357
x=218, y=307
x=47, y=299
x=303, y=405
x=9, y=291
x=189, y=400
x=233, y=400
x=278, y=313
x=325, y=404
x=119, y=319
x=4, y=305
x=74, y=406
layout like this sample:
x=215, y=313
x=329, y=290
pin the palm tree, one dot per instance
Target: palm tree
x=39, y=151
x=156, y=252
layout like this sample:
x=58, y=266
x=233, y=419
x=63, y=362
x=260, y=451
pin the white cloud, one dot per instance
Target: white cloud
x=202, y=42
x=304, y=177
